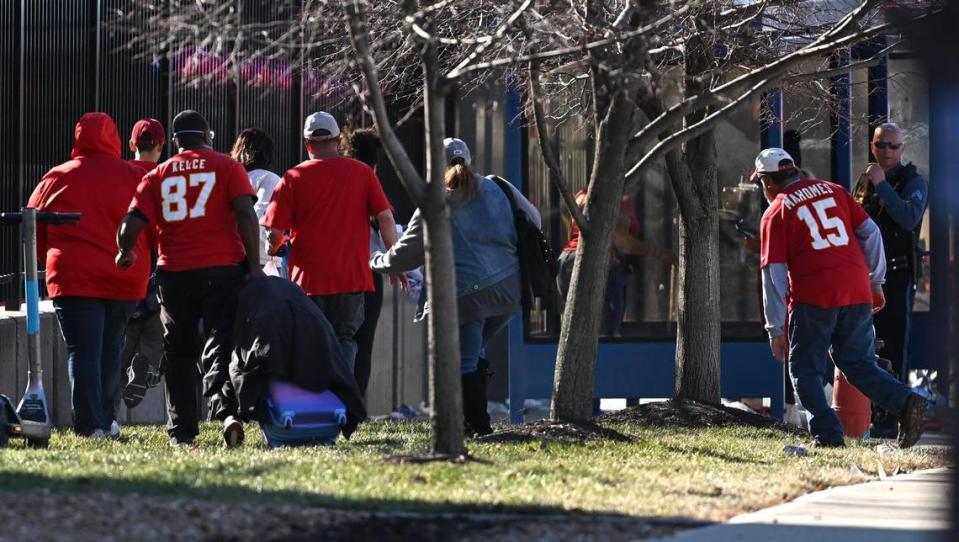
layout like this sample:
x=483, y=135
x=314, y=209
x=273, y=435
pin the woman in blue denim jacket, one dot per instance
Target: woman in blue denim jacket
x=487, y=269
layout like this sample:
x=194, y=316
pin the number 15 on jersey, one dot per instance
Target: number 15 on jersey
x=173, y=191
x=836, y=235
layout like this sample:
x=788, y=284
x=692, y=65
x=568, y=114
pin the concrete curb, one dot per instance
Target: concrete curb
x=918, y=512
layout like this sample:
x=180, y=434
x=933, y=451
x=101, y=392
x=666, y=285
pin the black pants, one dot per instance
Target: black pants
x=187, y=298
x=894, y=321
x=345, y=314
x=372, y=304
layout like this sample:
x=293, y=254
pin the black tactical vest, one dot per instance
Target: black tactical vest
x=901, y=246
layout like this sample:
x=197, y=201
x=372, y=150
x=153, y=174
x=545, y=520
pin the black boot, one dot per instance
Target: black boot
x=475, y=417
x=911, y=418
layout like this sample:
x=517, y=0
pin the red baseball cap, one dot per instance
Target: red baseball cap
x=147, y=130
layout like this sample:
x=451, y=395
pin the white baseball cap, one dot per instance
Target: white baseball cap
x=772, y=160
x=456, y=148
x=321, y=120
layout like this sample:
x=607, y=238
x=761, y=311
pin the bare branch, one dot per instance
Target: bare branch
x=414, y=183
x=842, y=70
x=481, y=48
x=577, y=49
x=769, y=72
x=549, y=155
x=689, y=132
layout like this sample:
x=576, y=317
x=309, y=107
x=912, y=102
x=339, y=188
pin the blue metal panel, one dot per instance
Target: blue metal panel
x=841, y=119
x=771, y=123
x=943, y=200
x=642, y=370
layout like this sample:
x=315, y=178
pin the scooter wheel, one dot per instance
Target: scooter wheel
x=38, y=443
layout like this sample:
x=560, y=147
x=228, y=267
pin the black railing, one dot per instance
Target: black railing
x=61, y=58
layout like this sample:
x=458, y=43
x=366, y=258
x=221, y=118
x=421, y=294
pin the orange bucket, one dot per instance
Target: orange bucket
x=853, y=408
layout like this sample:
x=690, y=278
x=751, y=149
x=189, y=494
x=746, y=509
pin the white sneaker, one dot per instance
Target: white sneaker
x=114, y=430
x=232, y=432
x=97, y=435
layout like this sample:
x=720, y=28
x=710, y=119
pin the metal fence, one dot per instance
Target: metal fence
x=61, y=58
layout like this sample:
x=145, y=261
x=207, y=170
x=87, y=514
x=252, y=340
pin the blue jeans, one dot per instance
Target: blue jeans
x=93, y=331
x=849, y=331
x=474, y=334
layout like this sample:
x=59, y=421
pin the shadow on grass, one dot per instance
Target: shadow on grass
x=400, y=517
x=709, y=452
x=552, y=431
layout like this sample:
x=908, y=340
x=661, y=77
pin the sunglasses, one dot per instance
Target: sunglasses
x=884, y=145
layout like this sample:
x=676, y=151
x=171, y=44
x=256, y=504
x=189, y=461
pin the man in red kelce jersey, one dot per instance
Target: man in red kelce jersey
x=201, y=202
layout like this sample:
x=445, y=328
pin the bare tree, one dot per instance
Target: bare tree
x=429, y=195
x=617, y=56
x=682, y=134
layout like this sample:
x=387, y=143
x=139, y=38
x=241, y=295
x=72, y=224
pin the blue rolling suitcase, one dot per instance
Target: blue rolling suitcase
x=298, y=417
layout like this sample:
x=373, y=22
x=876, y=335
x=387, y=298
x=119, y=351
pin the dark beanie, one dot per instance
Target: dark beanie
x=190, y=122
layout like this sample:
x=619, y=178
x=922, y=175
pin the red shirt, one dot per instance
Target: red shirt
x=573, y=241
x=189, y=199
x=625, y=210
x=97, y=183
x=327, y=205
x=811, y=227
x=145, y=164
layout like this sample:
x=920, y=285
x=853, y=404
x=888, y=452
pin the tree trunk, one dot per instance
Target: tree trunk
x=579, y=334
x=698, y=333
x=445, y=395
x=698, y=330
x=446, y=399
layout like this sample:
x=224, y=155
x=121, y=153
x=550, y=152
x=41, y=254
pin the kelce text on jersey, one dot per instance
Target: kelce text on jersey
x=187, y=165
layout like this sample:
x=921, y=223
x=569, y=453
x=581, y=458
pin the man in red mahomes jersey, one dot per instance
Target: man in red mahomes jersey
x=201, y=203
x=326, y=202
x=820, y=250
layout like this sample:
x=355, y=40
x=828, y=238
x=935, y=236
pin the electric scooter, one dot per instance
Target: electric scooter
x=31, y=419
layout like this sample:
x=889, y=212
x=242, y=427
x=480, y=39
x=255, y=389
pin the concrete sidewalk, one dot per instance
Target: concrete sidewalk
x=908, y=508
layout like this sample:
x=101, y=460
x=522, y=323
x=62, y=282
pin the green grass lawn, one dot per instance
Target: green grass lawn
x=708, y=474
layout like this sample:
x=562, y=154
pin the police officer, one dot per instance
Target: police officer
x=894, y=196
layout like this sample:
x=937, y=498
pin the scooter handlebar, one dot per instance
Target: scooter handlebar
x=43, y=216
x=58, y=218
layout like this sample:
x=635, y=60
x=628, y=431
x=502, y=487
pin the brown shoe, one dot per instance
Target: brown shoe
x=911, y=420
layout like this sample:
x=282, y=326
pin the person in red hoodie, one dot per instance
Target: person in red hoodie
x=93, y=299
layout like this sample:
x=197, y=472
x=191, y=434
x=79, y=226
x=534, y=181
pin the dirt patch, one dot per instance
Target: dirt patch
x=81, y=517
x=693, y=415
x=546, y=430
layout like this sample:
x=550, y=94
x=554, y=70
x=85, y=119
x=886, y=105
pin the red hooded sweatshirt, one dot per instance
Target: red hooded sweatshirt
x=97, y=183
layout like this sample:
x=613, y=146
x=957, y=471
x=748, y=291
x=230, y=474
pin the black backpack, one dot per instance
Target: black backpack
x=537, y=262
